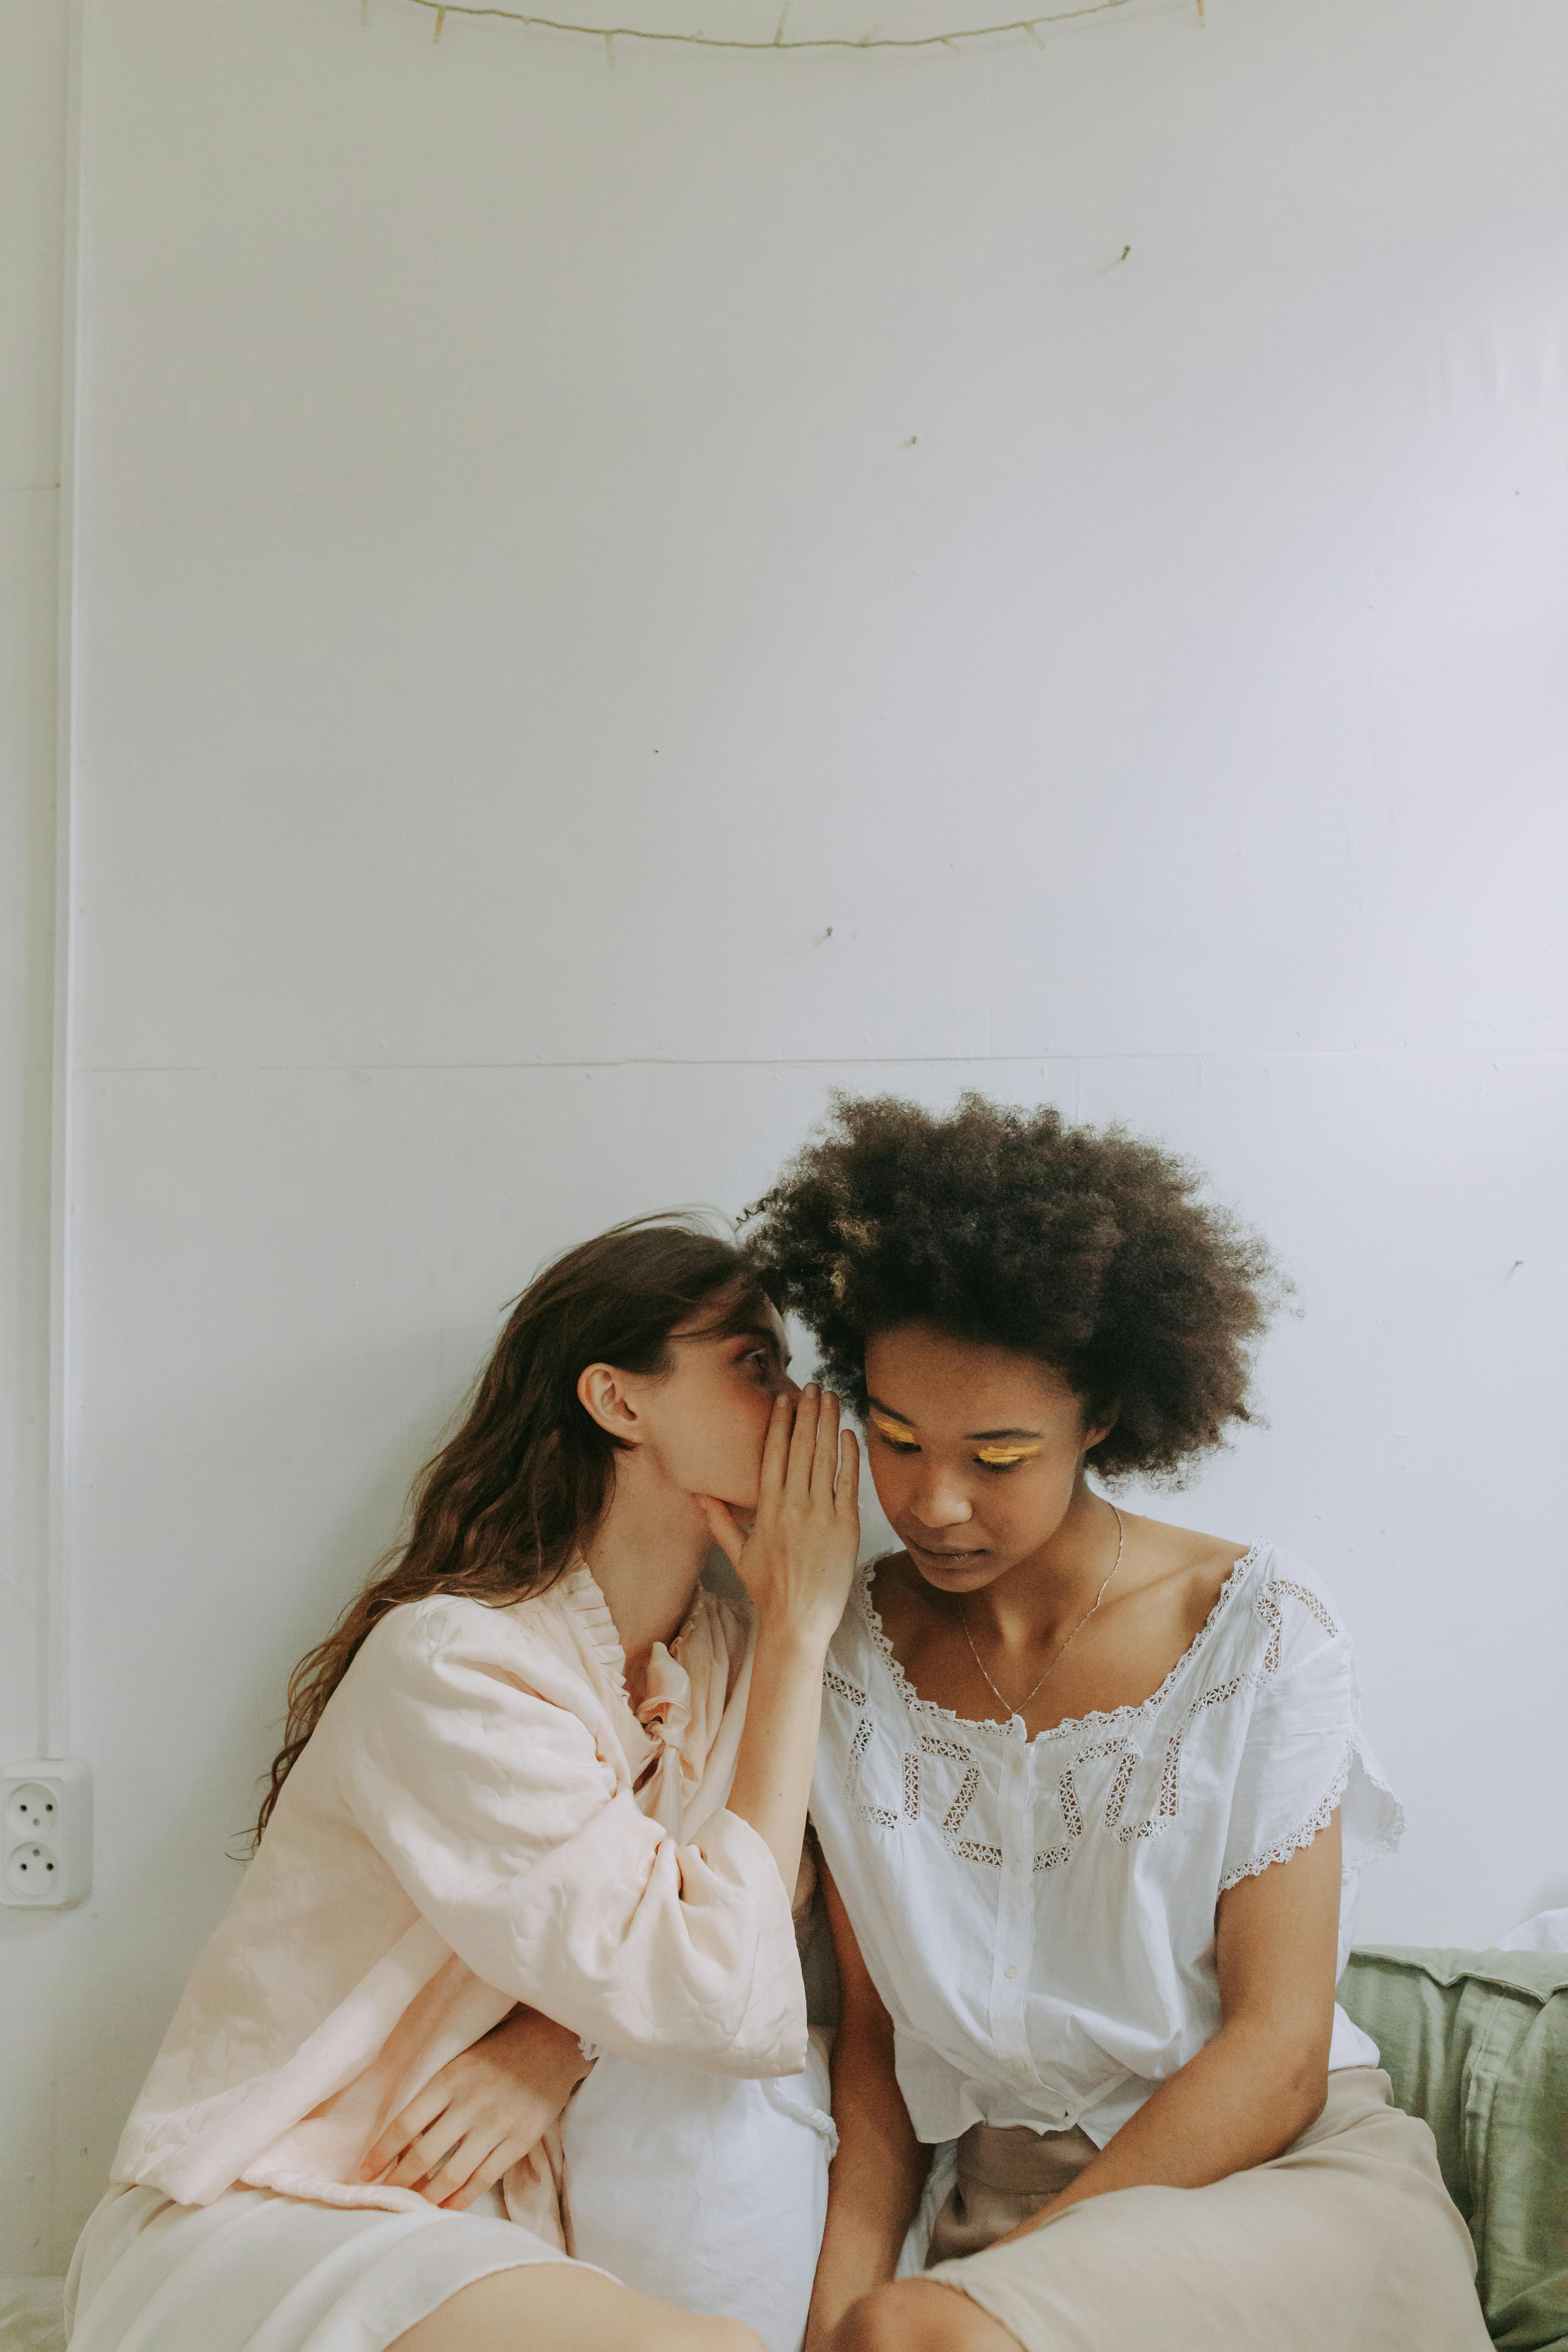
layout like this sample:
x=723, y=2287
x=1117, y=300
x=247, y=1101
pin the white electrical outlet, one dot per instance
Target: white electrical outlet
x=46, y=1832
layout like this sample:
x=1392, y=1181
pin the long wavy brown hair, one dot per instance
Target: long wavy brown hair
x=504, y=1507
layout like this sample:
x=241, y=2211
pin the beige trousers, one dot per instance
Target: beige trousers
x=1348, y=2242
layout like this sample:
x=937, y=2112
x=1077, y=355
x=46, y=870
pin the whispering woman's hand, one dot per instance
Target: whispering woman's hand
x=799, y=1555
x=482, y=2114
x=797, y=1563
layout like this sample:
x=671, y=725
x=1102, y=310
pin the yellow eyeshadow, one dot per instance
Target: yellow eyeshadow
x=994, y=1457
x=892, y=1430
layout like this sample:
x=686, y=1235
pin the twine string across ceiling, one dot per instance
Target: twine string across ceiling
x=1031, y=27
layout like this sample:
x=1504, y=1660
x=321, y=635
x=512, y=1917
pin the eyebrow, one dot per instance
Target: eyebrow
x=747, y=1318
x=776, y=1345
x=972, y=1437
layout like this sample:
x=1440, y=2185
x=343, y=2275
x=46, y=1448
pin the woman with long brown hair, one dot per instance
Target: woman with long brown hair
x=540, y=1804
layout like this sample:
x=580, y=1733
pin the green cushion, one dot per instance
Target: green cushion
x=1477, y=2044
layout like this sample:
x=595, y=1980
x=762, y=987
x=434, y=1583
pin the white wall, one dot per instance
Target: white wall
x=32, y=170
x=613, y=600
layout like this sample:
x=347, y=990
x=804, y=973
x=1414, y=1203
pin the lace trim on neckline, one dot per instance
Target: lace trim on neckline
x=580, y=1590
x=1072, y=1724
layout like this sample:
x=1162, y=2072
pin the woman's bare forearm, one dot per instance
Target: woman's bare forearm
x=778, y=1744
x=873, y=2193
x=1263, y=2078
x=1238, y=2102
x=874, y=2185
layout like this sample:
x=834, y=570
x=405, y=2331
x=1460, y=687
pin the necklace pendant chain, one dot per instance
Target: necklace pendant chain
x=1025, y=1704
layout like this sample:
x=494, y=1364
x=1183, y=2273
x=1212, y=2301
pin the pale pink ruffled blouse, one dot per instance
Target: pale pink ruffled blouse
x=479, y=1819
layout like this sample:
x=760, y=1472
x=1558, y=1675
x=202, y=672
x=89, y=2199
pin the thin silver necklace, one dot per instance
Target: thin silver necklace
x=1072, y=1637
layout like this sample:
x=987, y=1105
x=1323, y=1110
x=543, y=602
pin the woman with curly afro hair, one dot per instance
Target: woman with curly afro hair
x=1091, y=1790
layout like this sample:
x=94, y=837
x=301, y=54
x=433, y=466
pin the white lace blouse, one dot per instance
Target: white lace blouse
x=1038, y=1915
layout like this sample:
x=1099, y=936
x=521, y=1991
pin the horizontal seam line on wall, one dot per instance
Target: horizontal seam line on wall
x=811, y=1061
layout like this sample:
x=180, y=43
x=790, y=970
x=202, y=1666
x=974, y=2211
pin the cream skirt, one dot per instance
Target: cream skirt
x=1348, y=2242
x=258, y=2273
x=708, y=2191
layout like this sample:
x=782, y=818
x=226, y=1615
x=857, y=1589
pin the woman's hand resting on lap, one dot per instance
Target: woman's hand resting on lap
x=482, y=2114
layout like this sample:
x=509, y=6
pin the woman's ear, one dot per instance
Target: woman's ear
x=1106, y=1422
x=602, y=1394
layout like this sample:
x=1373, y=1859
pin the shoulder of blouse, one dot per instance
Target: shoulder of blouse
x=858, y=1637
x=1294, y=1618
x=556, y=1623
x=562, y=1627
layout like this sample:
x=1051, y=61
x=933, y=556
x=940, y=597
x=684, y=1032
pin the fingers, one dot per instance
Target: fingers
x=825, y=1462
x=424, y=2157
x=847, y=1494
x=721, y=1527
x=404, y=2128
x=776, y=1447
x=458, y=2169
x=499, y=2160
x=803, y=1442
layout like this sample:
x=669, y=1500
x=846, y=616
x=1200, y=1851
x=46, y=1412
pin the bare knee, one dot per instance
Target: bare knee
x=920, y=2315
x=873, y=2324
x=564, y=2308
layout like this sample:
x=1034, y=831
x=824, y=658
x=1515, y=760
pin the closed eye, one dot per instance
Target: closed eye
x=891, y=1435
x=999, y=1459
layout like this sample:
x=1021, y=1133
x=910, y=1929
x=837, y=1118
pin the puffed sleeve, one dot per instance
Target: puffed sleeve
x=481, y=1785
x=1305, y=1754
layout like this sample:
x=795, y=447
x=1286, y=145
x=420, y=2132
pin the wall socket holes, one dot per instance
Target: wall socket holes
x=46, y=1832
x=29, y=1873
x=32, y=1809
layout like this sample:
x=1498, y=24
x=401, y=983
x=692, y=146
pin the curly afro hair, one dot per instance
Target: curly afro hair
x=1085, y=1247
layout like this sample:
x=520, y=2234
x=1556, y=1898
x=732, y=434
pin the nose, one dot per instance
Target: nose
x=939, y=1501
x=789, y=1388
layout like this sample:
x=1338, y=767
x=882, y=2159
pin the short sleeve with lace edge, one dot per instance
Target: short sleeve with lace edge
x=1304, y=1754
